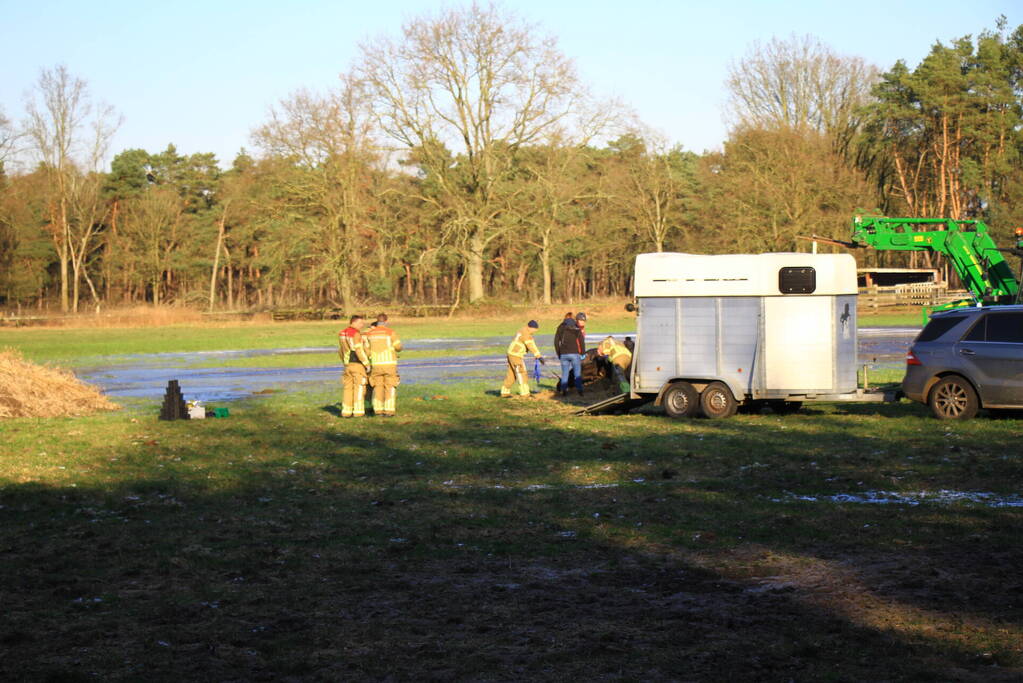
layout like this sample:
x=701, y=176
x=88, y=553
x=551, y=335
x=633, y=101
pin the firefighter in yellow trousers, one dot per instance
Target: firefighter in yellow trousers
x=383, y=345
x=516, y=366
x=620, y=357
x=351, y=348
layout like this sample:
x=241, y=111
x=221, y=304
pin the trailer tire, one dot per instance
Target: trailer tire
x=717, y=401
x=953, y=398
x=681, y=400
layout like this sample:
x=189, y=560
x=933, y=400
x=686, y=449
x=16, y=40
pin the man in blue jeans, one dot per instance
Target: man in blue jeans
x=570, y=346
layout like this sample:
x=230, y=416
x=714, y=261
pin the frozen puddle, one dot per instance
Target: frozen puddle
x=146, y=375
x=941, y=497
x=226, y=384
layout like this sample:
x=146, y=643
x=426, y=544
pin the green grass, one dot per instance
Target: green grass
x=478, y=538
x=907, y=319
x=81, y=345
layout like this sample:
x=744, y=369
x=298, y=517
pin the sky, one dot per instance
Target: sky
x=202, y=75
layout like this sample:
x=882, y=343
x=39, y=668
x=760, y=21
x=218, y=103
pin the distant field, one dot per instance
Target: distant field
x=62, y=344
x=65, y=345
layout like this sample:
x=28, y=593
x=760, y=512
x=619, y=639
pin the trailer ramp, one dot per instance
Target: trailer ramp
x=621, y=402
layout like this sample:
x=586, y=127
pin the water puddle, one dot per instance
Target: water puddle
x=227, y=384
x=146, y=375
x=885, y=347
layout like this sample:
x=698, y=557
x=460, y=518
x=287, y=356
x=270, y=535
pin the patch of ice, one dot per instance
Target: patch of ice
x=941, y=497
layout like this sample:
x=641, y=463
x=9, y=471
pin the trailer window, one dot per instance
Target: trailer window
x=801, y=280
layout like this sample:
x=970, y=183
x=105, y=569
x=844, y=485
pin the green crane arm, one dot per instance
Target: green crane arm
x=967, y=245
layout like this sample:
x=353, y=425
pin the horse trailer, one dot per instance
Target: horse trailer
x=718, y=332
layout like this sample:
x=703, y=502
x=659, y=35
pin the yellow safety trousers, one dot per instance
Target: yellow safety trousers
x=516, y=374
x=384, y=380
x=353, y=398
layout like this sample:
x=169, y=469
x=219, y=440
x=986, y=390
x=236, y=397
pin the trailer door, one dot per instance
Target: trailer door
x=798, y=344
x=657, y=329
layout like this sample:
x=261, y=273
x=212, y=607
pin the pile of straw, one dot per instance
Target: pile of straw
x=30, y=390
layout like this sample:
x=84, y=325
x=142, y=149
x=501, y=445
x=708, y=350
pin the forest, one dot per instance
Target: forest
x=463, y=159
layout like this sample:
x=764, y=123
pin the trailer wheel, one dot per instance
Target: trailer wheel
x=681, y=400
x=717, y=401
x=953, y=398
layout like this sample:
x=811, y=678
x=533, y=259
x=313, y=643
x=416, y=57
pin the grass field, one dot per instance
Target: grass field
x=475, y=538
x=79, y=344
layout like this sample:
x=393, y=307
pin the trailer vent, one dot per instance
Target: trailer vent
x=801, y=280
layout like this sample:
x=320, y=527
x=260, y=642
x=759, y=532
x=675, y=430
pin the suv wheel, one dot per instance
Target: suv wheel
x=953, y=398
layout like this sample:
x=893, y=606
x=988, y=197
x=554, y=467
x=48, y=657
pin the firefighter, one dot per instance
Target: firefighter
x=383, y=344
x=619, y=356
x=522, y=342
x=352, y=350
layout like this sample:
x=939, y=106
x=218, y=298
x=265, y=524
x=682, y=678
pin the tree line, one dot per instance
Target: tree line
x=463, y=158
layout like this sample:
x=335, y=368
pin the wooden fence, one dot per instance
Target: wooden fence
x=916, y=294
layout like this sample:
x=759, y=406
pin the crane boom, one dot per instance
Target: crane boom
x=967, y=245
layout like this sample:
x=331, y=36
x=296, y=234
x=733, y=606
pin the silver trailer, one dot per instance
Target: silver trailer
x=717, y=332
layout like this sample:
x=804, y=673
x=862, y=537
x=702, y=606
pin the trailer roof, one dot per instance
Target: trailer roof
x=673, y=274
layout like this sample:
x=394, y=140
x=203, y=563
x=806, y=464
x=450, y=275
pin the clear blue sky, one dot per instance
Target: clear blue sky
x=201, y=75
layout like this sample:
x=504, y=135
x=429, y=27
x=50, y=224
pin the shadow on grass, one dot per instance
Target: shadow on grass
x=333, y=409
x=461, y=546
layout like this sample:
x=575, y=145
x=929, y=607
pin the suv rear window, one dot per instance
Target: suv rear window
x=939, y=326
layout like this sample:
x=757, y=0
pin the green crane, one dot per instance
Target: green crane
x=966, y=244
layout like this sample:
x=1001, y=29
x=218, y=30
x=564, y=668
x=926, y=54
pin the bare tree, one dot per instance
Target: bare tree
x=798, y=83
x=152, y=229
x=327, y=143
x=70, y=137
x=557, y=186
x=463, y=92
x=7, y=138
x=651, y=182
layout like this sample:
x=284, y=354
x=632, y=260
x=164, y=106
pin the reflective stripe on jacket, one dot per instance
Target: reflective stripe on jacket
x=383, y=345
x=612, y=349
x=351, y=347
x=523, y=342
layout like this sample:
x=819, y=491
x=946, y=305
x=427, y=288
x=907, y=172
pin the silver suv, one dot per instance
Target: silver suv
x=967, y=359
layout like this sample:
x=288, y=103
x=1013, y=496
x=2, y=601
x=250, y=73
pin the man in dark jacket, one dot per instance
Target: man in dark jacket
x=570, y=345
x=561, y=327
